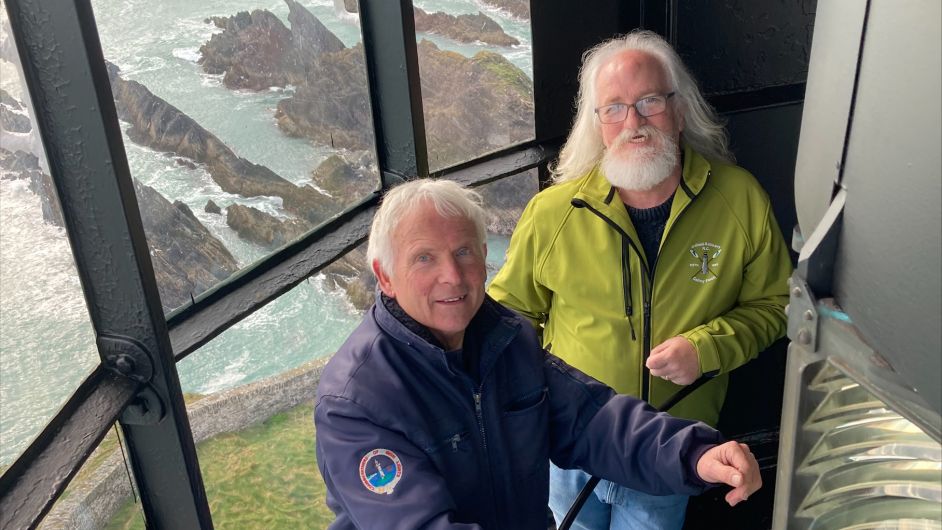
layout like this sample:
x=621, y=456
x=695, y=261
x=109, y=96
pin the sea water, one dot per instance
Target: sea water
x=46, y=338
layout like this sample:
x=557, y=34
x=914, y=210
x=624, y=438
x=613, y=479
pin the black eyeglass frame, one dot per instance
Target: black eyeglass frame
x=666, y=97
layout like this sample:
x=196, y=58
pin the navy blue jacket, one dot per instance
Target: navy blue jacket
x=406, y=438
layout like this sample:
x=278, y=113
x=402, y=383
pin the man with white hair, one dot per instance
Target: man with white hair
x=651, y=261
x=441, y=410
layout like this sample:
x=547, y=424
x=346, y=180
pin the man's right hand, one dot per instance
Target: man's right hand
x=731, y=463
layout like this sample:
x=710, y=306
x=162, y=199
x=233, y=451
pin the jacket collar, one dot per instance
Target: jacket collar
x=493, y=326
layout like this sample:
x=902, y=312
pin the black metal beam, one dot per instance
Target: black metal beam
x=501, y=164
x=75, y=114
x=760, y=98
x=219, y=309
x=392, y=66
x=30, y=487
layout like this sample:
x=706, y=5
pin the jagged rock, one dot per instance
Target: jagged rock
x=264, y=229
x=10, y=101
x=13, y=117
x=352, y=274
x=505, y=200
x=342, y=179
x=517, y=8
x=161, y=126
x=18, y=165
x=463, y=28
x=333, y=107
x=212, y=207
x=257, y=51
x=250, y=51
x=185, y=163
x=472, y=106
x=311, y=38
x=187, y=258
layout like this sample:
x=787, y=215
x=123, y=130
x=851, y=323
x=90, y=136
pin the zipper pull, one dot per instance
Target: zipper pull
x=632, y=326
x=477, y=402
x=454, y=443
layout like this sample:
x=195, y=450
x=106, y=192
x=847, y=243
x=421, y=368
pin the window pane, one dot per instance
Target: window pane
x=476, y=67
x=246, y=124
x=251, y=393
x=47, y=345
x=101, y=488
x=504, y=201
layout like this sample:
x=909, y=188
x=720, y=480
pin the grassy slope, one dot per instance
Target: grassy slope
x=264, y=477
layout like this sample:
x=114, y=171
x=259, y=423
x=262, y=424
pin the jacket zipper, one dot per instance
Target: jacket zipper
x=479, y=414
x=645, y=293
x=653, y=270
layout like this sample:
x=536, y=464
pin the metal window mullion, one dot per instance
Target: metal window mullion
x=392, y=65
x=74, y=109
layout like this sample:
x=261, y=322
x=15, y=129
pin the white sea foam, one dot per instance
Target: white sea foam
x=187, y=54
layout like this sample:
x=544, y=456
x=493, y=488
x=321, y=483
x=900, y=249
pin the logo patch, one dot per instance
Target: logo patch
x=380, y=471
x=706, y=261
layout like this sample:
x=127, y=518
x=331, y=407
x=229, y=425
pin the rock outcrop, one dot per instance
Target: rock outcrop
x=264, y=229
x=333, y=107
x=472, y=105
x=187, y=258
x=517, y=8
x=13, y=115
x=18, y=165
x=161, y=126
x=352, y=274
x=463, y=28
x=336, y=173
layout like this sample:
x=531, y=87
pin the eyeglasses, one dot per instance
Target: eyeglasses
x=646, y=107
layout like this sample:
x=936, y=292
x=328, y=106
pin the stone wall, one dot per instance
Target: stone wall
x=91, y=504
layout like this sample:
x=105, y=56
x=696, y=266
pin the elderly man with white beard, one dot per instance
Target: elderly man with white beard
x=651, y=261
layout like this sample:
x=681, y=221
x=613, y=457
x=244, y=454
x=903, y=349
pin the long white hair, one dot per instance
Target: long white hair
x=703, y=129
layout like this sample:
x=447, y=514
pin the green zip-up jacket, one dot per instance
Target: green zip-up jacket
x=576, y=267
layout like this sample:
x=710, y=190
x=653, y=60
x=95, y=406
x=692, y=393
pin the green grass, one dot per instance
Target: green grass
x=264, y=477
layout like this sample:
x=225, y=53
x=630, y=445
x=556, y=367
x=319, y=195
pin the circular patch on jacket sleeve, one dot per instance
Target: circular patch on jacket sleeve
x=380, y=471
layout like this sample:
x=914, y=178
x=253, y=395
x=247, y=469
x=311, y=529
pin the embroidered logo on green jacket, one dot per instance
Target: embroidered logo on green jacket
x=706, y=262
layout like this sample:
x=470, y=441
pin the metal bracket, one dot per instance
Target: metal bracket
x=802, y=314
x=126, y=357
x=146, y=409
x=819, y=250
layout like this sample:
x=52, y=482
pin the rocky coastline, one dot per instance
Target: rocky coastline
x=472, y=105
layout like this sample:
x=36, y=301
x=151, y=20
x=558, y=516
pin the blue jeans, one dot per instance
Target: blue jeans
x=612, y=506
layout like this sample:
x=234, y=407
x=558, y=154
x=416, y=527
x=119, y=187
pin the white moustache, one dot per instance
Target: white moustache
x=645, y=132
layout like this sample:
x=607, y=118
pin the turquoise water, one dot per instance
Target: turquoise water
x=47, y=344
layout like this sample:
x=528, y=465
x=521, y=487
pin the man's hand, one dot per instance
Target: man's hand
x=675, y=360
x=731, y=463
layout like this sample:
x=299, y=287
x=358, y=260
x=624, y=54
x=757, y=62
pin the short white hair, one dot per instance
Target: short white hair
x=449, y=198
x=703, y=130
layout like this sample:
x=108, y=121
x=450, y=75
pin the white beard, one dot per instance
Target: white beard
x=646, y=167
